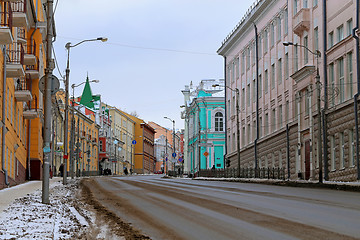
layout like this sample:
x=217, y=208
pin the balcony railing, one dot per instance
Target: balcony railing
x=301, y=21
x=19, y=6
x=31, y=109
x=22, y=84
x=23, y=89
x=31, y=48
x=21, y=33
x=6, y=16
x=15, y=53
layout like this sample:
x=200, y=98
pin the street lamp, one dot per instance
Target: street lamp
x=67, y=71
x=73, y=86
x=236, y=90
x=317, y=77
x=173, y=121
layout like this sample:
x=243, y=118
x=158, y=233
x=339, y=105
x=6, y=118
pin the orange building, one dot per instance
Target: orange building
x=22, y=32
x=144, y=146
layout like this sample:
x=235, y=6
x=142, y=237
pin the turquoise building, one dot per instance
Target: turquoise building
x=204, y=138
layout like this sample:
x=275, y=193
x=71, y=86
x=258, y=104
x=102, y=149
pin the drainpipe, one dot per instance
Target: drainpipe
x=358, y=88
x=226, y=132
x=325, y=145
x=257, y=102
x=3, y=118
x=29, y=121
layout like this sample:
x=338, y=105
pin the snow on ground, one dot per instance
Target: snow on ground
x=28, y=218
x=64, y=218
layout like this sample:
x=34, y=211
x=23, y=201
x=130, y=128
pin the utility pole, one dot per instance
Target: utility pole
x=166, y=143
x=47, y=104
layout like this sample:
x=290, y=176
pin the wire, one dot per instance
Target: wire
x=57, y=65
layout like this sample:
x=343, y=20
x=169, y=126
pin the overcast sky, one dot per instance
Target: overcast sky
x=155, y=48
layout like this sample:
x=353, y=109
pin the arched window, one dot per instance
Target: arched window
x=219, y=122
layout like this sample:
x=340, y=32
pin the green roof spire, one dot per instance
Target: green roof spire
x=87, y=97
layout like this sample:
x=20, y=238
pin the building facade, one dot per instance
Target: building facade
x=204, y=135
x=22, y=33
x=274, y=57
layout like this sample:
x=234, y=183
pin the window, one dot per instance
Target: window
x=306, y=52
x=287, y=112
x=342, y=150
x=254, y=90
x=280, y=159
x=349, y=26
x=260, y=47
x=307, y=102
x=340, y=33
x=233, y=72
x=253, y=54
x=266, y=124
x=279, y=67
x=266, y=81
x=273, y=120
x=248, y=95
x=331, y=39
x=332, y=83
x=272, y=34
x=279, y=29
x=233, y=142
x=295, y=7
x=352, y=149
x=101, y=146
x=286, y=23
x=219, y=122
x=296, y=62
x=248, y=58
x=305, y=3
x=253, y=130
x=237, y=67
x=332, y=152
x=316, y=38
x=350, y=73
x=243, y=63
x=286, y=66
x=243, y=136
x=315, y=3
x=233, y=106
x=266, y=46
x=280, y=116
x=260, y=86
x=243, y=98
x=340, y=64
x=248, y=134
x=273, y=76
x=260, y=127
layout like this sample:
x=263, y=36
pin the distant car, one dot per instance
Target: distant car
x=158, y=172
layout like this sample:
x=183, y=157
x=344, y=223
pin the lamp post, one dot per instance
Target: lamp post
x=317, y=77
x=67, y=73
x=174, y=150
x=236, y=90
x=72, y=141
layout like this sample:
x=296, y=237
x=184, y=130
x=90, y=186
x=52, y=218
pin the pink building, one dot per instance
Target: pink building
x=278, y=113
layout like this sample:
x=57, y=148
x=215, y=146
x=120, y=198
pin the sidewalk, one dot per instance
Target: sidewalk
x=8, y=195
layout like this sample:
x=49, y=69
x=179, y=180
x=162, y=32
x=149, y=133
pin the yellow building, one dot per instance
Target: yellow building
x=118, y=143
x=22, y=64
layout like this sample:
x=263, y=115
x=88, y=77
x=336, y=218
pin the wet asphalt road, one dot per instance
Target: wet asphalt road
x=188, y=209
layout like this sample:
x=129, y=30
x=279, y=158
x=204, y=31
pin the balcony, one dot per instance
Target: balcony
x=22, y=90
x=33, y=70
x=82, y=135
x=30, y=54
x=301, y=21
x=6, y=36
x=21, y=37
x=19, y=13
x=15, y=60
x=31, y=110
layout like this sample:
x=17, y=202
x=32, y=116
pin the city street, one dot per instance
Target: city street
x=164, y=208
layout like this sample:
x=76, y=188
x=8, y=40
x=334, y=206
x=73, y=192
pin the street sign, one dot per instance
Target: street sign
x=174, y=154
x=166, y=158
x=180, y=159
x=206, y=144
x=55, y=84
x=65, y=157
x=133, y=142
x=206, y=154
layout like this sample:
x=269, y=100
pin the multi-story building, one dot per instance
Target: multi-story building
x=273, y=57
x=204, y=126
x=163, y=147
x=144, y=154
x=22, y=33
